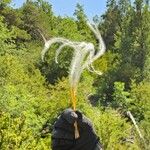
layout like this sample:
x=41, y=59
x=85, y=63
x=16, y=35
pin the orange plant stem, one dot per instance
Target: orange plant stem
x=73, y=97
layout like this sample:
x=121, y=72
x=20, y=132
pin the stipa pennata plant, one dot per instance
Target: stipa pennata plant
x=83, y=57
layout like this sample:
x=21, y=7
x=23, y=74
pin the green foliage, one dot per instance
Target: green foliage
x=140, y=94
x=110, y=23
x=81, y=24
x=6, y=41
x=38, y=15
x=141, y=108
x=70, y=33
x=4, y=3
x=121, y=98
x=23, y=105
x=145, y=125
x=146, y=36
x=104, y=84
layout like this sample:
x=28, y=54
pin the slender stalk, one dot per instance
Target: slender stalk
x=73, y=97
x=136, y=126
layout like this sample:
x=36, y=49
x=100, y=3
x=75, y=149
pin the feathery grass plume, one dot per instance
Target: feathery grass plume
x=83, y=56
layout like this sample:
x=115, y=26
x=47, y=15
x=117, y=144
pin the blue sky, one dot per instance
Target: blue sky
x=67, y=7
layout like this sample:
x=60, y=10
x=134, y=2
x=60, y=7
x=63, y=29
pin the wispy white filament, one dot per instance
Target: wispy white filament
x=83, y=56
